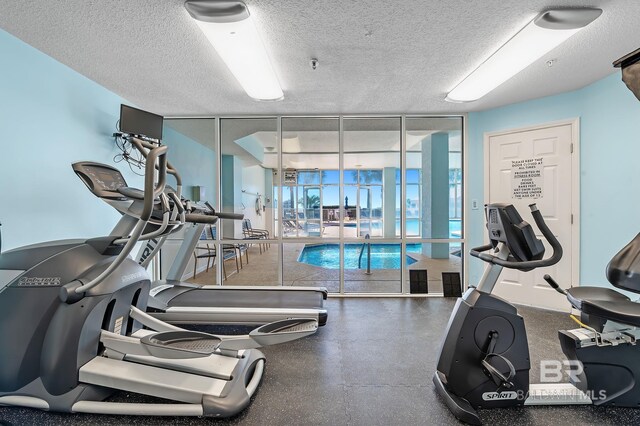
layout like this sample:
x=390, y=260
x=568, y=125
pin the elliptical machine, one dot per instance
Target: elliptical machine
x=73, y=327
x=484, y=360
x=178, y=302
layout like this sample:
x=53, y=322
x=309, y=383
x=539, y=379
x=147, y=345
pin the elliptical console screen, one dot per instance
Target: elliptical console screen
x=140, y=123
x=105, y=179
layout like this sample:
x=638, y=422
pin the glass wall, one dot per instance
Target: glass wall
x=356, y=204
x=311, y=264
x=372, y=182
x=310, y=185
x=249, y=163
x=371, y=176
x=372, y=267
x=434, y=196
x=201, y=187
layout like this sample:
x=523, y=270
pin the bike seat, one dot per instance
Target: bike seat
x=577, y=295
x=625, y=312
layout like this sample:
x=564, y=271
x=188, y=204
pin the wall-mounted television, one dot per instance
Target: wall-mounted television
x=140, y=123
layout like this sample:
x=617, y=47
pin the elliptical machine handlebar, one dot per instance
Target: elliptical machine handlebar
x=211, y=218
x=176, y=202
x=479, y=252
x=145, y=149
x=200, y=218
x=151, y=192
x=234, y=216
x=163, y=227
x=222, y=215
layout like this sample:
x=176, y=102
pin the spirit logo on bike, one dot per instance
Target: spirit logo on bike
x=499, y=396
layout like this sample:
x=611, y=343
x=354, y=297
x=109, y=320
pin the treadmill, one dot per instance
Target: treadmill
x=177, y=302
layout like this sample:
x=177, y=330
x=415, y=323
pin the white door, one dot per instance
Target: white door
x=536, y=166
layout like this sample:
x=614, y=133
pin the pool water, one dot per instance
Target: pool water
x=383, y=256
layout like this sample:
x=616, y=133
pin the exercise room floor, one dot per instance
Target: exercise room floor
x=371, y=364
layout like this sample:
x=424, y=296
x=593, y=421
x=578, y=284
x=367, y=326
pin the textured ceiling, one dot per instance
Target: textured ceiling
x=375, y=56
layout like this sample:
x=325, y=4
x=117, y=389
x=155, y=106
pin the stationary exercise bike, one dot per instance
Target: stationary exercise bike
x=484, y=360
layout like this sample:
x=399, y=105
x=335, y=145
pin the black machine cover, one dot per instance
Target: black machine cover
x=630, y=65
x=623, y=271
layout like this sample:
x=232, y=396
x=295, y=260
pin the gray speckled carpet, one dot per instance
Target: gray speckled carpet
x=372, y=364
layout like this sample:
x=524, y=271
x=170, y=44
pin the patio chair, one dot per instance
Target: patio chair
x=208, y=251
x=239, y=248
x=246, y=225
x=250, y=233
x=289, y=227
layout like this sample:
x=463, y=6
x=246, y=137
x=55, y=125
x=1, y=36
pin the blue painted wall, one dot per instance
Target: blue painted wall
x=194, y=162
x=609, y=155
x=50, y=117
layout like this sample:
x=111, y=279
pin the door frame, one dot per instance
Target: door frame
x=575, y=182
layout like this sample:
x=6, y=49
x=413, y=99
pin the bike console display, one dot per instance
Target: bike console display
x=505, y=225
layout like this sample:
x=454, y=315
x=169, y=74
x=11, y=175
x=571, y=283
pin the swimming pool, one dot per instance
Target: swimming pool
x=383, y=256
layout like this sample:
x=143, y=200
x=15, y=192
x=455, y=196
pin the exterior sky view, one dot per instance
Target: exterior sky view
x=315, y=197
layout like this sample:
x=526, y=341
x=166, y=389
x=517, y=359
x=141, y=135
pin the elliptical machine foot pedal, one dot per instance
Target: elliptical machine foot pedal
x=459, y=407
x=180, y=344
x=272, y=334
x=284, y=330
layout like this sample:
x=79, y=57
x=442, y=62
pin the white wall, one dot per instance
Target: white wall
x=253, y=182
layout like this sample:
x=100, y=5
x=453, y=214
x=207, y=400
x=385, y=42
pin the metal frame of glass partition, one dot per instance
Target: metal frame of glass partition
x=280, y=241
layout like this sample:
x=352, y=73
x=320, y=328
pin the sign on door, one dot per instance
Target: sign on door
x=527, y=178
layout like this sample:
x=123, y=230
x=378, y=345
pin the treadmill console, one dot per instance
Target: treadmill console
x=102, y=180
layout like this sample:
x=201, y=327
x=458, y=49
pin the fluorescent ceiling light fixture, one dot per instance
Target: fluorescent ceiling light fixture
x=230, y=29
x=547, y=31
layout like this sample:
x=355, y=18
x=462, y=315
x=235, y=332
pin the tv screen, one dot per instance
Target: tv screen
x=142, y=123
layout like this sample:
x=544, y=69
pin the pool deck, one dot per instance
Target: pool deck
x=263, y=270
